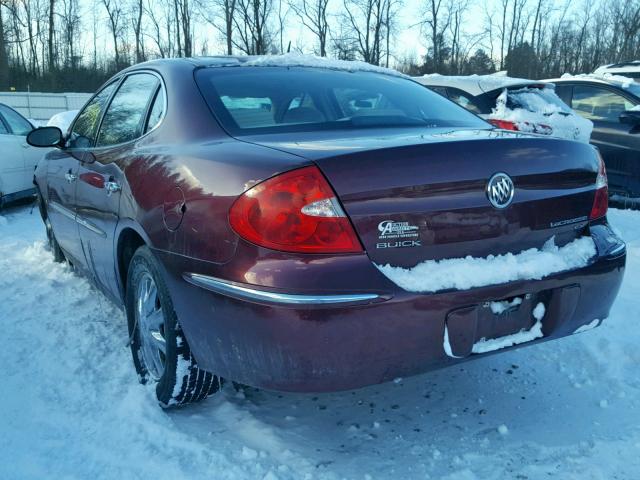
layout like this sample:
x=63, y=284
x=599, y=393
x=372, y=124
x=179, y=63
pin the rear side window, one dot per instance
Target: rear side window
x=157, y=111
x=463, y=99
x=17, y=124
x=635, y=75
x=83, y=132
x=564, y=92
x=125, y=116
x=441, y=90
x=598, y=103
x=256, y=100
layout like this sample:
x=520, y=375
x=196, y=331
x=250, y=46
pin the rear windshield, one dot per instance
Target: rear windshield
x=254, y=100
x=633, y=87
x=634, y=75
x=541, y=100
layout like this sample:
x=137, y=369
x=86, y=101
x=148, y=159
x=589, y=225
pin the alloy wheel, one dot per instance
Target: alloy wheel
x=151, y=326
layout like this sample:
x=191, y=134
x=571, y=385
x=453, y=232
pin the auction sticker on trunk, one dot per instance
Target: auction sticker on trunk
x=393, y=234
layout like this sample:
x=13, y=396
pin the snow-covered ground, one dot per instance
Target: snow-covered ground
x=70, y=405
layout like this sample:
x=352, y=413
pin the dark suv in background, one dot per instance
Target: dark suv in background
x=613, y=105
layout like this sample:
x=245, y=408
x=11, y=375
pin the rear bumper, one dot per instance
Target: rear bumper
x=293, y=345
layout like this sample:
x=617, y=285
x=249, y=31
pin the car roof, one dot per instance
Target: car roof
x=632, y=66
x=285, y=60
x=474, y=84
x=605, y=79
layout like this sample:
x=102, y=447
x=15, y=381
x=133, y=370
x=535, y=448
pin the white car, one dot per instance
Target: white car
x=512, y=104
x=624, y=69
x=63, y=120
x=17, y=159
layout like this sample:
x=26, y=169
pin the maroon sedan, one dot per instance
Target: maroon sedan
x=303, y=227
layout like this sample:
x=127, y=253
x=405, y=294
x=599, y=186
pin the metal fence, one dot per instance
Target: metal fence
x=42, y=106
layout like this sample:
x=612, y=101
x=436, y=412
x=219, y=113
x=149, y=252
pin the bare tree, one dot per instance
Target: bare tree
x=30, y=11
x=367, y=27
x=52, y=6
x=251, y=26
x=313, y=15
x=70, y=30
x=47, y=44
x=138, y=12
x=437, y=18
x=4, y=58
x=283, y=11
x=116, y=20
x=183, y=27
x=159, y=13
x=219, y=14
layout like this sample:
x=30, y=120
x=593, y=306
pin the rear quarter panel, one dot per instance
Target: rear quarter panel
x=182, y=178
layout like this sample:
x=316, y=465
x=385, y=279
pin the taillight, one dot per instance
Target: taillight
x=296, y=211
x=543, y=129
x=503, y=124
x=601, y=199
x=540, y=128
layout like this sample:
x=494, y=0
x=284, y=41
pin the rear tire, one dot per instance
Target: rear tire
x=159, y=348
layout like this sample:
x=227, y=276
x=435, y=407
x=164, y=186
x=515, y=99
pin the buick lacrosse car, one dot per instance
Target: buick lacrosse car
x=296, y=224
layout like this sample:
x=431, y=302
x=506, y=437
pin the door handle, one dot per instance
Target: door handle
x=24, y=145
x=70, y=177
x=112, y=187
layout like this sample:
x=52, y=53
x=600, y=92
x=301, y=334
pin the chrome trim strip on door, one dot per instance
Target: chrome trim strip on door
x=62, y=210
x=252, y=294
x=90, y=226
x=72, y=216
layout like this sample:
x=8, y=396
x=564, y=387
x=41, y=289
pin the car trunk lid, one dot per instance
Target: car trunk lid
x=417, y=197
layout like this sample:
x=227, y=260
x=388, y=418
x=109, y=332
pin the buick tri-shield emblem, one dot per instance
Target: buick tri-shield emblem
x=500, y=190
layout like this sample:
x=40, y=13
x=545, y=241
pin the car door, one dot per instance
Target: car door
x=11, y=161
x=618, y=142
x=101, y=178
x=20, y=127
x=62, y=174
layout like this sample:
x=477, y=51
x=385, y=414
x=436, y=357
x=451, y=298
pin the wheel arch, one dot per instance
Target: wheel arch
x=130, y=236
x=42, y=207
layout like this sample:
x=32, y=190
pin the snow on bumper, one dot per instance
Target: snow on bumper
x=469, y=272
x=330, y=348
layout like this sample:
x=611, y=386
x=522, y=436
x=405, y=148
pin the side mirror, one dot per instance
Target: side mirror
x=45, y=137
x=631, y=117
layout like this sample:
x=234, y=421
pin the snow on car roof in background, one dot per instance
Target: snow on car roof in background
x=474, y=84
x=624, y=82
x=632, y=66
x=300, y=60
x=62, y=120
